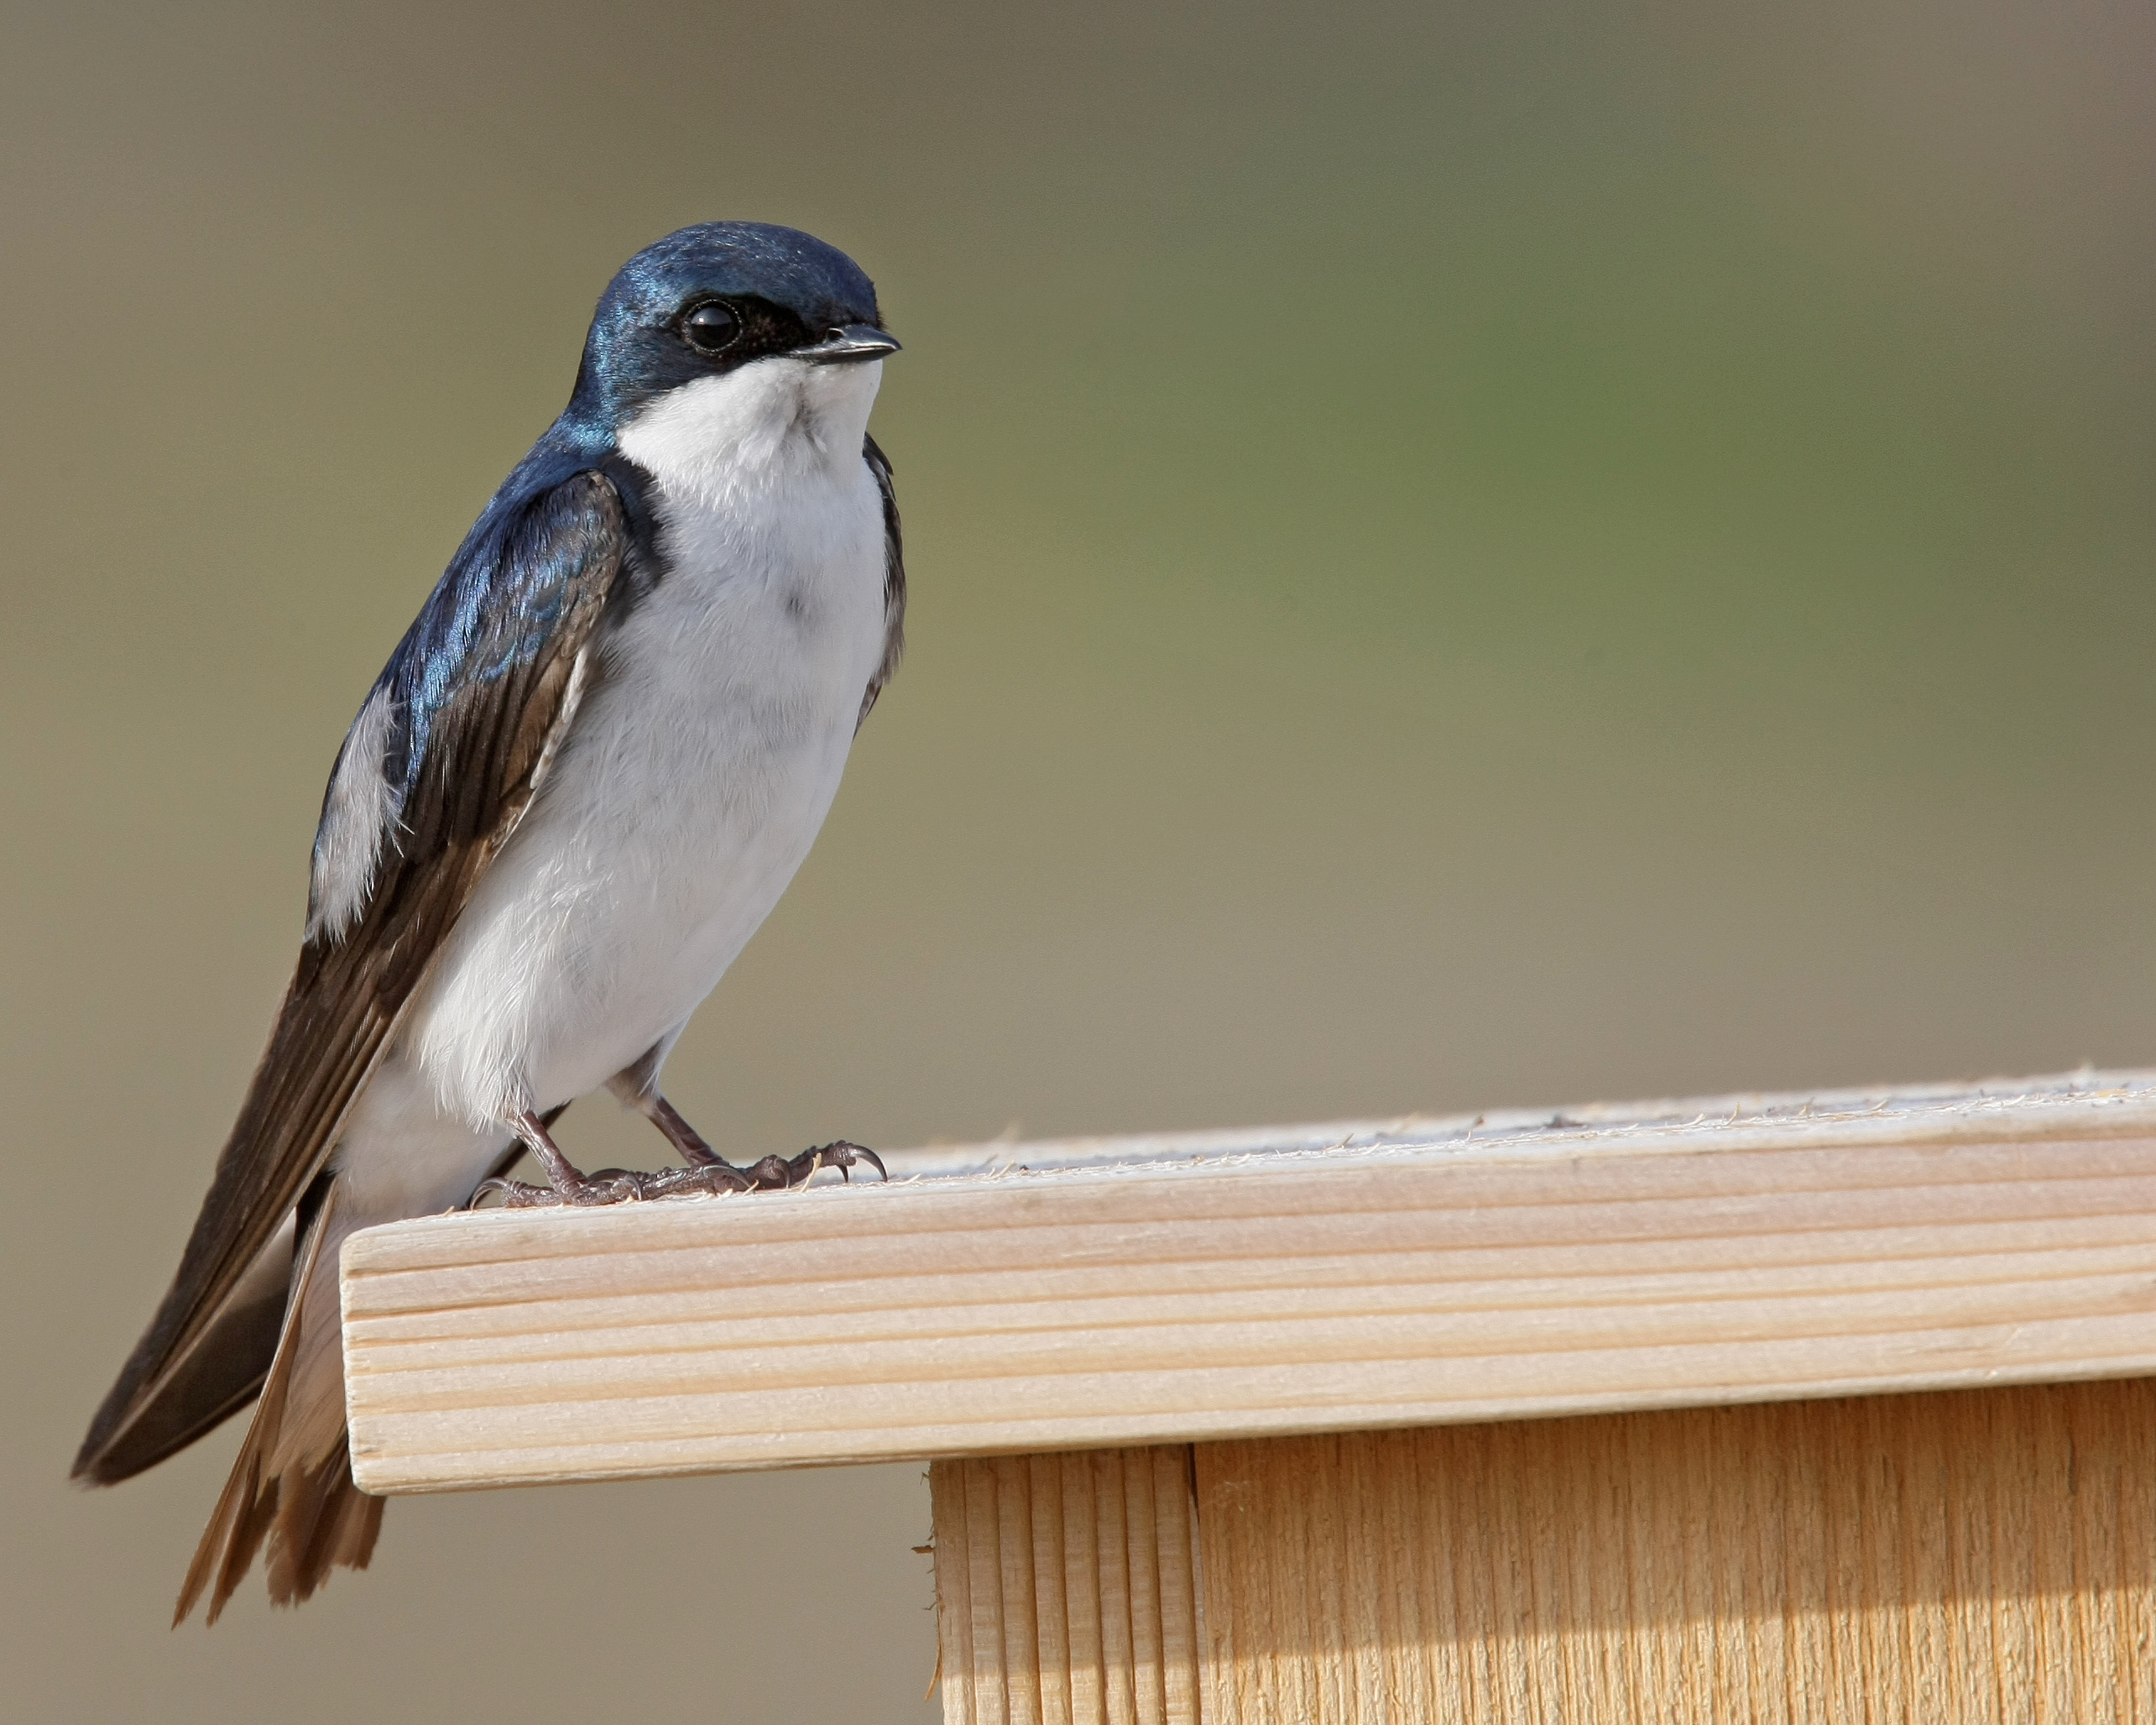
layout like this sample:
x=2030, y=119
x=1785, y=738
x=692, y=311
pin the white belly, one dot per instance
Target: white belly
x=698, y=770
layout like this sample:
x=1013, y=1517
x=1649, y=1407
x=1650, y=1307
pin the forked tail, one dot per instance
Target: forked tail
x=313, y=1516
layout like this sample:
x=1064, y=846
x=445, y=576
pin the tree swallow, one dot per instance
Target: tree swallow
x=581, y=782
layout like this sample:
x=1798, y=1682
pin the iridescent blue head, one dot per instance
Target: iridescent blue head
x=711, y=299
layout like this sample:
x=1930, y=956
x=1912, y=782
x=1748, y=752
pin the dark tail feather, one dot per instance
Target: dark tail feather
x=319, y=1519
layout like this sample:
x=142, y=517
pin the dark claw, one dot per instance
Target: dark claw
x=841, y=1155
x=780, y=1173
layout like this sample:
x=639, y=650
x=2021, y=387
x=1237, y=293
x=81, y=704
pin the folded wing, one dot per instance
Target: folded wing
x=453, y=742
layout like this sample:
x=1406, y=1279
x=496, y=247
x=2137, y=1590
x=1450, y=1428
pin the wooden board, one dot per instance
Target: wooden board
x=1066, y=1589
x=1938, y=1559
x=1358, y=1276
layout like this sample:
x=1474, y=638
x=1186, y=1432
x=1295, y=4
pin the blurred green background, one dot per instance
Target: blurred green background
x=1461, y=556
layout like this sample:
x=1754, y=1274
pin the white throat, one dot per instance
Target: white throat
x=772, y=419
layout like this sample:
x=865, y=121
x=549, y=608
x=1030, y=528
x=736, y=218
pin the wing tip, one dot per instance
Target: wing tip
x=94, y=1463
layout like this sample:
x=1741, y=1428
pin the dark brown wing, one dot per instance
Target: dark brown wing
x=480, y=693
x=893, y=579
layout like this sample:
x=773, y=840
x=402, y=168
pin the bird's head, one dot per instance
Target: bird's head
x=747, y=329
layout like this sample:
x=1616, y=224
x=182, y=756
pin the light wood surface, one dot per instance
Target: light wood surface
x=1018, y=1297
x=1978, y=1557
x=1066, y=1589
x=1986, y=1556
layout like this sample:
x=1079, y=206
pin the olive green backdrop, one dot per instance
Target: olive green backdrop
x=1461, y=556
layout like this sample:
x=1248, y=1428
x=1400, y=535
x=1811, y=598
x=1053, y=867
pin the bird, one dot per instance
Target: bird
x=586, y=774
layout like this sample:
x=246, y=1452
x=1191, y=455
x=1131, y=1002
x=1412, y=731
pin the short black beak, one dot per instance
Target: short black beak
x=849, y=346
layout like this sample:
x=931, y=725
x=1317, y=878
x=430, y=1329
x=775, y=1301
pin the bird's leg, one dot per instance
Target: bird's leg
x=637, y=1086
x=707, y=1171
x=772, y=1173
x=567, y=1179
x=683, y=1136
x=568, y=1185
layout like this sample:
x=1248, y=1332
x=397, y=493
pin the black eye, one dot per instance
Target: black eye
x=709, y=328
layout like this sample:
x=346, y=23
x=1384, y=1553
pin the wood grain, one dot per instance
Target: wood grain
x=1356, y=1277
x=1985, y=1556
x=1066, y=1589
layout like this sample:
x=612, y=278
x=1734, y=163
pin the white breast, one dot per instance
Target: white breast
x=702, y=764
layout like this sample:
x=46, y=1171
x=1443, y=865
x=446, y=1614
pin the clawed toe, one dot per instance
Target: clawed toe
x=612, y=1185
x=516, y=1194
x=841, y=1155
x=772, y=1174
x=622, y=1185
x=707, y=1178
x=779, y=1173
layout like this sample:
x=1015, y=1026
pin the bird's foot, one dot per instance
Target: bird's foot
x=622, y=1185
x=774, y=1173
x=569, y=1186
x=613, y=1185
